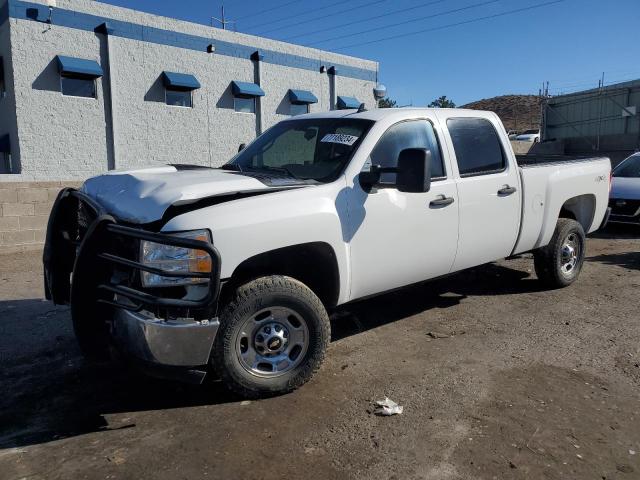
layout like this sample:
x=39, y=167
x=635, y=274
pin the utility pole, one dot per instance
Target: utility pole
x=222, y=20
x=600, y=92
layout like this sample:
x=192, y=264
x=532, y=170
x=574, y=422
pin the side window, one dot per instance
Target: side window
x=411, y=134
x=477, y=146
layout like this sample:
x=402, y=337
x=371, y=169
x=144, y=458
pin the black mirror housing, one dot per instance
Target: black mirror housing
x=241, y=147
x=414, y=170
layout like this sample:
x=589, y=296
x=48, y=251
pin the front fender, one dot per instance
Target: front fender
x=244, y=228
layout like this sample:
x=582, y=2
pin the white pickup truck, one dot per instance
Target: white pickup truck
x=231, y=271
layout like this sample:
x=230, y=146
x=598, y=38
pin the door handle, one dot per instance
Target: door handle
x=441, y=201
x=507, y=191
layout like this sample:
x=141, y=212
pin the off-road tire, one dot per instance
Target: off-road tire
x=548, y=260
x=250, y=298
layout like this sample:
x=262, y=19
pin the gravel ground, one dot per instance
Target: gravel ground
x=498, y=378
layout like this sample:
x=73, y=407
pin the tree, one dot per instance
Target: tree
x=442, y=102
x=386, y=103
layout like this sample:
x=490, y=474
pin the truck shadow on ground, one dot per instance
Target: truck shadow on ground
x=54, y=394
x=629, y=260
x=487, y=280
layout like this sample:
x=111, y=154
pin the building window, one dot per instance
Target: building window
x=179, y=88
x=244, y=96
x=5, y=155
x=244, y=104
x=78, y=87
x=347, y=103
x=3, y=88
x=300, y=101
x=299, y=109
x=78, y=76
x=5, y=162
x=178, y=98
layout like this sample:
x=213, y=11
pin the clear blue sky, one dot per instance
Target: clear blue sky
x=568, y=44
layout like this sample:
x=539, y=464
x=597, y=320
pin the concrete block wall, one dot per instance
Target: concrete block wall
x=24, y=212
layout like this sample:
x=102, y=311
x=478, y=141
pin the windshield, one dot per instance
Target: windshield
x=529, y=132
x=630, y=168
x=313, y=149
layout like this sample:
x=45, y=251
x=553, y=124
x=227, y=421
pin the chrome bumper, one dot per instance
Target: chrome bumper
x=175, y=343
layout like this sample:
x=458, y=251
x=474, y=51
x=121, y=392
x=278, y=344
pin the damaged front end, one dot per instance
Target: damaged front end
x=156, y=311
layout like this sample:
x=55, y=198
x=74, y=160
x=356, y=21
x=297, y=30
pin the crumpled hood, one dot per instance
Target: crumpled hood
x=142, y=196
x=624, y=187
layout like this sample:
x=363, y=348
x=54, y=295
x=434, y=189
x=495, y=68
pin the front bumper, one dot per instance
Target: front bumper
x=176, y=343
x=91, y=263
x=624, y=211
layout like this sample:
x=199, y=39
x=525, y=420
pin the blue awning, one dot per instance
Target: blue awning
x=245, y=89
x=79, y=67
x=180, y=81
x=5, y=144
x=345, y=103
x=302, y=97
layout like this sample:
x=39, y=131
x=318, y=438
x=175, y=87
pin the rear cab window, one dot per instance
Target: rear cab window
x=477, y=145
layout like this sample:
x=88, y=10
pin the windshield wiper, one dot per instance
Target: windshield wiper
x=284, y=170
x=235, y=167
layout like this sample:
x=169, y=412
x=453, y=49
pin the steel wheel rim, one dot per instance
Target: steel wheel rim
x=272, y=342
x=570, y=254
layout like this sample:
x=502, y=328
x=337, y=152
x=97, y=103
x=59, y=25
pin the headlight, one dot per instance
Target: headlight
x=175, y=259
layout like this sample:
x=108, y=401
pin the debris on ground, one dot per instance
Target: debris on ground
x=435, y=334
x=387, y=407
x=438, y=335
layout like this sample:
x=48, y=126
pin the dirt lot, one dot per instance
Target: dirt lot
x=527, y=384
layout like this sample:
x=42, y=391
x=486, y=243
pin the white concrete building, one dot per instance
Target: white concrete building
x=88, y=87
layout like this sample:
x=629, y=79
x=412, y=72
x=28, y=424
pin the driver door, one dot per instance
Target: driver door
x=402, y=238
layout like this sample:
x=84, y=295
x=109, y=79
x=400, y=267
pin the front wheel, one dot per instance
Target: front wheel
x=272, y=339
x=559, y=263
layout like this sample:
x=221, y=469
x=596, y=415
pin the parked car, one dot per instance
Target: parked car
x=624, y=199
x=529, y=136
x=512, y=134
x=232, y=271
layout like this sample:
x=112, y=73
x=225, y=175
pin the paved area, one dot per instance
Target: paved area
x=498, y=378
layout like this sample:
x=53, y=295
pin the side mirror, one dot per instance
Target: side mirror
x=241, y=147
x=414, y=170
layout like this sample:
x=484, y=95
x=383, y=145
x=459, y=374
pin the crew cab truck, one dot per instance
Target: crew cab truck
x=230, y=271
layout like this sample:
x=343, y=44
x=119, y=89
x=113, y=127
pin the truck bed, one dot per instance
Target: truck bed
x=541, y=159
x=548, y=181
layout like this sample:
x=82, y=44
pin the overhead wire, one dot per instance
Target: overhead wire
x=347, y=24
x=284, y=19
x=451, y=25
x=266, y=10
x=405, y=22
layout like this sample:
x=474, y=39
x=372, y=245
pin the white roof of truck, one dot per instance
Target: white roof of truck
x=383, y=113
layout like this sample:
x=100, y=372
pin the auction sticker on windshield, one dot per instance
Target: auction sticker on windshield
x=339, y=138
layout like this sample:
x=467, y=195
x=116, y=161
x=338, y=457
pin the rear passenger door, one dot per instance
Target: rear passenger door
x=488, y=190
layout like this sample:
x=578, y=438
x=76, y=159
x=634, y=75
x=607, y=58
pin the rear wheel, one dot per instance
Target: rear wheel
x=559, y=263
x=272, y=339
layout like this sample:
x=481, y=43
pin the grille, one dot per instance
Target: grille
x=85, y=218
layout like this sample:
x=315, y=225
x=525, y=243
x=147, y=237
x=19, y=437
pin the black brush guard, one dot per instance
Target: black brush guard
x=85, y=246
